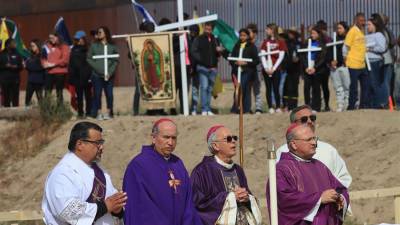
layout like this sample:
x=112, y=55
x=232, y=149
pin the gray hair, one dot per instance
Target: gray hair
x=293, y=133
x=156, y=129
x=210, y=141
x=296, y=110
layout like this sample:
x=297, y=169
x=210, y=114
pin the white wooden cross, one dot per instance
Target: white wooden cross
x=310, y=49
x=368, y=45
x=181, y=24
x=268, y=64
x=240, y=59
x=333, y=44
x=106, y=56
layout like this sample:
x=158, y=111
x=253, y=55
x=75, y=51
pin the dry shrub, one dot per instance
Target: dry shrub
x=30, y=135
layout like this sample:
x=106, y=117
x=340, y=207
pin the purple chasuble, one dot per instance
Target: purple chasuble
x=300, y=186
x=98, y=193
x=211, y=183
x=159, y=191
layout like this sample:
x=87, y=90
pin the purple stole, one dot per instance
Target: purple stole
x=99, y=185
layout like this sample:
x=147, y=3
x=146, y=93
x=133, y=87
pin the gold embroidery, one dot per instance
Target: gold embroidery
x=99, y=190
x=173, y=183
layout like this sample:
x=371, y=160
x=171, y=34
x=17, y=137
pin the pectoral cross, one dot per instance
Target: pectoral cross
x=106, y=56
x=310, y=49
x=173, y=183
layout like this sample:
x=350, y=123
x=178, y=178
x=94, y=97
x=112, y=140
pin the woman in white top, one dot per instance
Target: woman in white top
x=376, y=46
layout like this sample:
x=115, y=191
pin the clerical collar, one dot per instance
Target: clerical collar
x=222, y=163
x=300, y=159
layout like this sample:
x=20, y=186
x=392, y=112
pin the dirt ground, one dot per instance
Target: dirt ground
x=366, y=139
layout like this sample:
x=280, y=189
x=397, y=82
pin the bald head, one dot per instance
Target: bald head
x=302, y=141
x=164, y=137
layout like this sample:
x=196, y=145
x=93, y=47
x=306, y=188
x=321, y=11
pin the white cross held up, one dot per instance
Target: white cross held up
x=240, y=59
x=267, y=64
x=106, y=56
x=368, y=45
x=310, y=49
x=334, y=44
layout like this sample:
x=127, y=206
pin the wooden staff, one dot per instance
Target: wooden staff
x=239, y=91
x=241, y=126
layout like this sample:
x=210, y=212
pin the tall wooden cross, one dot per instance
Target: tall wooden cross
x=106, y=56
x=309, y=50
x=334, y=44
x=239, y=95
x=268, y=65
x=181, y=24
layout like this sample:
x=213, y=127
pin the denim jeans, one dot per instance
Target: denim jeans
x=195, y=91
x=245, y=85
x=136, y=97
x=207, y=79
x=376, y=84
x=98, y=85
x=341, y=83
x=362, y=76
x=256, y=85
x=387, y=77
x=282, y=86
x=396, y=92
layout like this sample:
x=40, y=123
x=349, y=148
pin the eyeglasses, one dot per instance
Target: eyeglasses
x=315, y=138
x=97, y=143
x=304, y=119
x=229, y=139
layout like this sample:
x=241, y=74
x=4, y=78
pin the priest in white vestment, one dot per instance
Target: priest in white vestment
x=77, y=191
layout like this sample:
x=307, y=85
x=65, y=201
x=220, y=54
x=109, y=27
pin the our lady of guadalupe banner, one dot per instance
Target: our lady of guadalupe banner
x=152, y=54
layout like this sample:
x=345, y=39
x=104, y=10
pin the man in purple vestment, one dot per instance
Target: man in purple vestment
x=307, y=191
x=157, y=183
x=217, y=179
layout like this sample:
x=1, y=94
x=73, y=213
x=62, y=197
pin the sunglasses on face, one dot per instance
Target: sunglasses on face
x=229, y=139
x=304, y=119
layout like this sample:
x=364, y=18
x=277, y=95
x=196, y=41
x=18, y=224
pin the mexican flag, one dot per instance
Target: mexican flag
x=13, y=32
x=226, y=34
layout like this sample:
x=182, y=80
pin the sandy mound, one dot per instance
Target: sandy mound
x=367, y=140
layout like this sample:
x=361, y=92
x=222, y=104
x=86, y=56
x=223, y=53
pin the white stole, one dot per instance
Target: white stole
x=229, y=211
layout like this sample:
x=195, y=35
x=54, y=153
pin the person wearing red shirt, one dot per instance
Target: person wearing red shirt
x=272, y=73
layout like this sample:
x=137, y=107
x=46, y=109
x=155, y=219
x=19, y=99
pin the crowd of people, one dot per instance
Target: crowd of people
x=353, y=55
x=54, y=64
x=312, y=181
x=371, y=59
